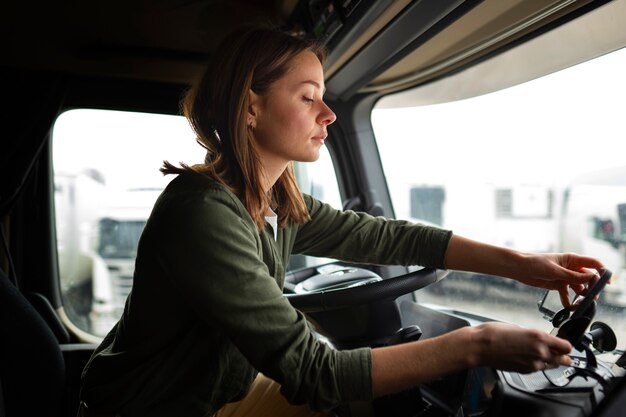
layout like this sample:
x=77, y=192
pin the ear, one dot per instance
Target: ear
x=254, y=107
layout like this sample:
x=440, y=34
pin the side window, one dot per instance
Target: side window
x=107, y=178
x=319, y=180
x=106, y=173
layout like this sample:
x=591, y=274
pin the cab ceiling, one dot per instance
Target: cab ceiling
x=164, y=40
x=171, y=40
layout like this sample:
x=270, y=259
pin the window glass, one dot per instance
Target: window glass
x=536, y=167
x=320, y=181
x=106, y=167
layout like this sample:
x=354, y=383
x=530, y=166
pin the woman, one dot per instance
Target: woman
x=206, y=313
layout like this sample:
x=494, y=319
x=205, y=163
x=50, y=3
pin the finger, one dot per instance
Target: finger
x=583, y=277
x=580, y=269
x=563, y=360
x=559, y=346
x=590, y=284
x=539, y=365
x=558, y=360
x=578, y=288
x=594, y=279
x=578, y=262
x=564, y=294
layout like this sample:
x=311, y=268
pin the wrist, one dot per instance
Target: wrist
x=477, y=340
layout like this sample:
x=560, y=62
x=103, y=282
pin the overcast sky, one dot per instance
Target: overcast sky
x=565, y=123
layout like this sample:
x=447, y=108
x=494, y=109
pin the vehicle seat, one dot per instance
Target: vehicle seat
x=46, y=311
x=39, y=376
x=32, y=369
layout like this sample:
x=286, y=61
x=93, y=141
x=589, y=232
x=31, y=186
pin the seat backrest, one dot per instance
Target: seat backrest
x=32, y=368
x=46, y=311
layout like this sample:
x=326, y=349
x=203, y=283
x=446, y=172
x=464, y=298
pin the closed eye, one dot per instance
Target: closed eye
x=307, y=99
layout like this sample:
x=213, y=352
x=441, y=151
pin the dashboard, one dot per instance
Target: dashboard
x=350, y=307
x=489, y=392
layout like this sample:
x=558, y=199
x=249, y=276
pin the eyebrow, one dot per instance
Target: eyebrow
x=315, y=84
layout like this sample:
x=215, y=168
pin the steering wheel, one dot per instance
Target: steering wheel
x=364, y=292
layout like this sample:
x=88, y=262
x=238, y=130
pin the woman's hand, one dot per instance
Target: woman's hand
x=561, y=272
x=550, y=271
x=513, y=348
x=495, y=345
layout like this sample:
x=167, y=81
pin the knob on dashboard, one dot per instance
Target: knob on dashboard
x=603, y=337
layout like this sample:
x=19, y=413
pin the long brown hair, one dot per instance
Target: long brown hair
x=216, y=108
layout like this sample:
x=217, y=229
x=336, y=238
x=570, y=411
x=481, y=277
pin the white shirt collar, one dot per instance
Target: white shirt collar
x=272, y=219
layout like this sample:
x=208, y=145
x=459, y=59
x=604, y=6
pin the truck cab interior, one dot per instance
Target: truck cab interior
x=496, y=119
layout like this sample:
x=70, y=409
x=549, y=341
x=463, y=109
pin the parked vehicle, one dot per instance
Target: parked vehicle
x=597, y=203
x=582, y=217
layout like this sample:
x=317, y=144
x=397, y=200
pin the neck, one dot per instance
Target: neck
x=271, y=174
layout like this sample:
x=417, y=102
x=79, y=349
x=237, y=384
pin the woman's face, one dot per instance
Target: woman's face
x=289, y=121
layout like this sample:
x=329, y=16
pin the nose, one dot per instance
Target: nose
x=326, y=116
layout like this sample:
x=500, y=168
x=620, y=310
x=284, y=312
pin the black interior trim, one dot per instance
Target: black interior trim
x=124, y=95
x=383, y=51
x=353, y=27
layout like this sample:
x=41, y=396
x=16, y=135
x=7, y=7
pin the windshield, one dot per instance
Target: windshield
x=536, y=167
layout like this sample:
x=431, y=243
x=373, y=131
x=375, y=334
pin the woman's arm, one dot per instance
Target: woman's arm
x=551, y=271
x=359, y=237
x=498, y=345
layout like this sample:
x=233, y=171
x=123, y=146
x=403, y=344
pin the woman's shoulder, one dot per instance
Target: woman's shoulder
x=197, y=183
x=190, y=190
x=315, y=206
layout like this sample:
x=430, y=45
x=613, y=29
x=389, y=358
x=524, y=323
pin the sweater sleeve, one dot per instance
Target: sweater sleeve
x=214, y=253
x=360, y=237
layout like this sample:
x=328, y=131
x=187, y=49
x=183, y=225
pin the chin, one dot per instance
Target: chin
x=309, y=157
x=314, y=157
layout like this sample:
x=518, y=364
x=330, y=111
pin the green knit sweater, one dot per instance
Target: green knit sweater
x=206, y=312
